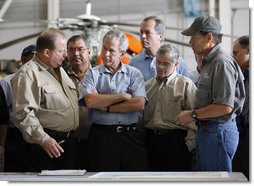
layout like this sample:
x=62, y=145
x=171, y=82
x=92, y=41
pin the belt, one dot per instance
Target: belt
x=116, y=128
x=58, y=134
x=164, y=131
x=80, y=140
x=205, y=123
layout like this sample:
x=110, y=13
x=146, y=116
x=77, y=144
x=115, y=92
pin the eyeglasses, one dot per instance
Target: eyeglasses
x=73, y=50
x=164, y=64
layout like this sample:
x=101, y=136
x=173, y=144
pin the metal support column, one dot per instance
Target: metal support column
x=225, y=20
x=53, y=12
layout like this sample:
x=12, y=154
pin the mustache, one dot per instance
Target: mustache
x=77, y=58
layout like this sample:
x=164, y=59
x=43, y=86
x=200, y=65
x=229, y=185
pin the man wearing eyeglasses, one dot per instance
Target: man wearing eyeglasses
x=169, y=145
x=78, y=52
x=152, y=33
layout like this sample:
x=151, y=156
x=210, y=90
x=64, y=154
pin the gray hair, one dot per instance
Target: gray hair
x=169, y=49
x=159, y=25
x=123, y=41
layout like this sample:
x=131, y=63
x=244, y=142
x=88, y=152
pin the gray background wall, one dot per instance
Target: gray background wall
x=28, y=16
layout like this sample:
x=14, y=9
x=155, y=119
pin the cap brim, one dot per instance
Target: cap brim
x=189, y=31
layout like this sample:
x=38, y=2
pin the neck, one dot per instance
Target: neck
x=114, y=69
x=80, y=71
x=152, y=51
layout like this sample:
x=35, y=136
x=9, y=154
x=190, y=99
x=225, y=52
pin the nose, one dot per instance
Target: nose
x=107, y=53
x=142, y=35
x=65, y=54
x=191, y=40
x=76, y=52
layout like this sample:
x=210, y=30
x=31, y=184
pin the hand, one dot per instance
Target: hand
x=52, y=148
x=184, y=118
x=127, y=96
x=94, y=90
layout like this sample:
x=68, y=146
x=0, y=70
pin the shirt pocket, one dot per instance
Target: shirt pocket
x=202, y=98
x=173, y=108
x=53, y=99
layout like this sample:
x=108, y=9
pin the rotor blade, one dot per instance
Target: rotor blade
x=120, y=24
x=18, y=40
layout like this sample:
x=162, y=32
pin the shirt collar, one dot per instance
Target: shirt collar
x=212, y=53
x=147, y=56
x=122, y=68
x=169, y=78
x=41, y=64
x=71, y=72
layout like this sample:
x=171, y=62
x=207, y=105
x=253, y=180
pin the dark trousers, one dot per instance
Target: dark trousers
x=39, y=160
x=117, y=151
x=15, y=151
x=167, y=150
x=240, y=161
x=82, y=154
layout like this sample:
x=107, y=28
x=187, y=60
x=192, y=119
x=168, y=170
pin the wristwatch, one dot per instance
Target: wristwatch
x=194, y=115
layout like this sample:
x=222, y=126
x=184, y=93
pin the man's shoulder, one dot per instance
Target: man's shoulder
x=183, y=79
x=131, y=68
x=136, y=58
x=96, y=68
x=31, y=65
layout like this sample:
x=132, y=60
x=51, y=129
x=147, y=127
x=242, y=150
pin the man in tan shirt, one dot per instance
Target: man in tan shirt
x=45, y=105
x=168, y=144
x=78, y=51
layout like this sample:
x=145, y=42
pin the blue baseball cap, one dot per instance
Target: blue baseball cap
x=31, y=49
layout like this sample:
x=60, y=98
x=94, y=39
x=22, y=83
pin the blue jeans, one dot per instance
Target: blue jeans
x=216, y=145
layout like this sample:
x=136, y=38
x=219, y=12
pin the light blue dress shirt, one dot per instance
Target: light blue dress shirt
x=6, y=85
x=126, y=80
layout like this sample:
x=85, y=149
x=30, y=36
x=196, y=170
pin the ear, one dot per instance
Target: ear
x=209, y=37
x=90, y=52
x=47, y=52
x=248, y=50
x=123, y=53
x=177, y=63
x=162, y=37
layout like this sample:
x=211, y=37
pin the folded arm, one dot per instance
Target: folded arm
x=102, y=101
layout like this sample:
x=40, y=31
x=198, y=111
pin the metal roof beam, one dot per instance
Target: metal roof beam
x=4, y=8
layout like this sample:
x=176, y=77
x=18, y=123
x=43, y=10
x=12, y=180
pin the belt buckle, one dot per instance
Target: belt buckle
x=119, y=129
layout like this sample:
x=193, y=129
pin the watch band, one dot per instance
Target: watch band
x=194, y=115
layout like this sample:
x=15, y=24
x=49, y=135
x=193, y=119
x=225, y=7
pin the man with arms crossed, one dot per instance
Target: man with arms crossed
x=115, y=95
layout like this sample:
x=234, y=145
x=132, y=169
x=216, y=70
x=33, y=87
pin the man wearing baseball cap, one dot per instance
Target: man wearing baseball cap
x=219, y=97
x=28, y=53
